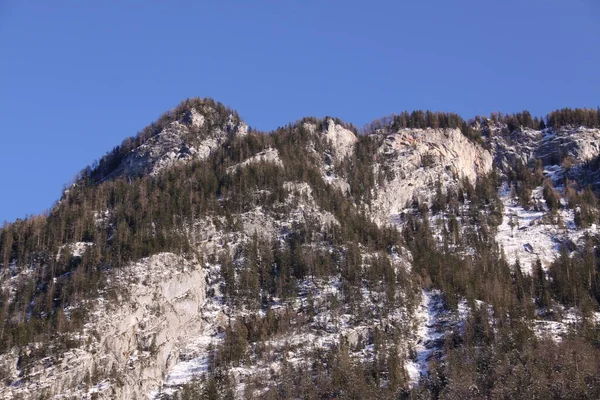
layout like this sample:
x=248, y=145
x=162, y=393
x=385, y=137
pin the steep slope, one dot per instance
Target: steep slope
x=551, y=146
x=419, y=160
x=202, y=259
x=189, y=132
x=129, y=342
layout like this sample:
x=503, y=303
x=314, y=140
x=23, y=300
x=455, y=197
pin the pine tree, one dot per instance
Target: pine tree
x=541, y=291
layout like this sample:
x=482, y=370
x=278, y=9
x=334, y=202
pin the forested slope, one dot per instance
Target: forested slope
x=423, y=257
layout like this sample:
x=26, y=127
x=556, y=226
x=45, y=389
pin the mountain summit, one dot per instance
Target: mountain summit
x=191, y=131
x=424, y=256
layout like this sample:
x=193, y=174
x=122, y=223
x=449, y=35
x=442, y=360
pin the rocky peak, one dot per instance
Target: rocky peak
x=339, y=140
x=189, y=132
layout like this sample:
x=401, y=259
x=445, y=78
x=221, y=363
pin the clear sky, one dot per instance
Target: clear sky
x=77, y=77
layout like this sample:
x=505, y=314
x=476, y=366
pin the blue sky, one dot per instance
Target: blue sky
x=77, y=77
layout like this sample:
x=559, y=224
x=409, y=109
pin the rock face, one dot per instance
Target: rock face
x=580, y=144
x=550, y=146
x=339, y=143
x=132, y=341
x=160, y=151
x=419, y=159
x=193, y=137
x=518, y=146
x=342, y=140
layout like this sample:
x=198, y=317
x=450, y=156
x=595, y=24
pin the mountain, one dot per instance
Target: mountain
x=423, y=257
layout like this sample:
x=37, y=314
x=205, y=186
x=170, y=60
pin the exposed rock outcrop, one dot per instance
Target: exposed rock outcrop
x=551, y=146
x=130, y=342
x=192, y=138
x=580, y=144
x=342, y=140
x=518, y=146
x=419, y=159
x=268, y=155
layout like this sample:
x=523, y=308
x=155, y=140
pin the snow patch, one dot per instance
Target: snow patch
x=433, y=321
x=77, y=249
x=527, y=235
x=268, y=155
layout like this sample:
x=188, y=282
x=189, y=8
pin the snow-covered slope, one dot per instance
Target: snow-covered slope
x=529, y=235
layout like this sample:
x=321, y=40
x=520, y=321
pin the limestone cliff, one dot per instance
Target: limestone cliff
x=131, y=341
x=421, y=158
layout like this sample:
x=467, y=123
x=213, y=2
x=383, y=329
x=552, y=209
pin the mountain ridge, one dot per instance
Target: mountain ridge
x=384, y=249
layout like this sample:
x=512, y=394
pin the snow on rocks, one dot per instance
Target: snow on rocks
x=322, y=332
x=433, y=320
x=193, y=361
x=191, y=138
x=268, y=155
x=236, y=127
x=528, y=235
x=101, y=218
x=195, y=118
x=210, y=235
x=549, y=145
x=517, y=146
x=158, y=152
x=305, y=206
x=340, y=143
x=76, y=249
x=579, y=143
x=569, y=320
